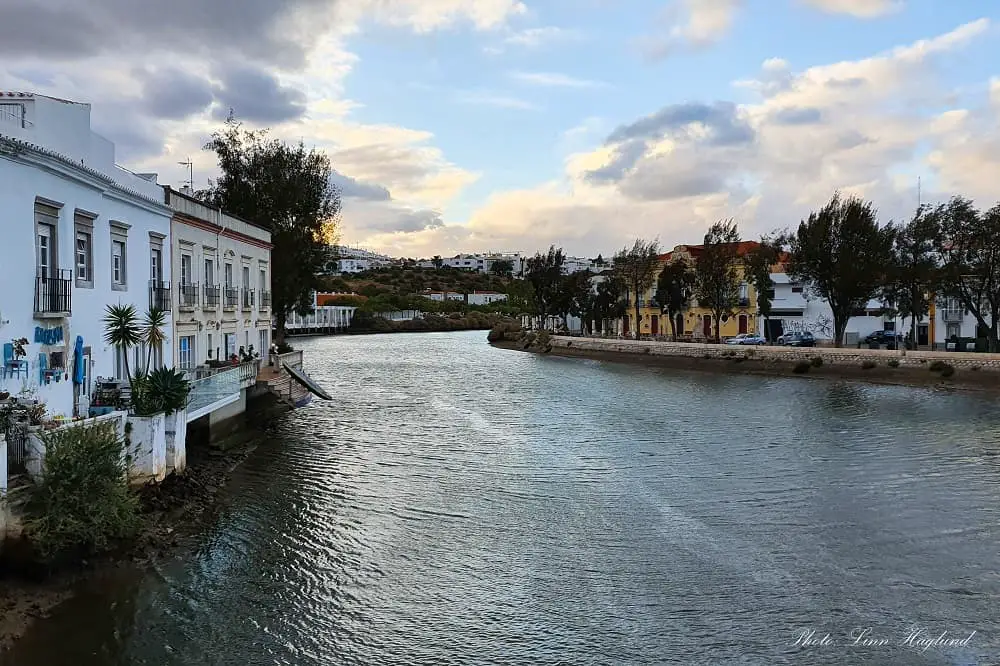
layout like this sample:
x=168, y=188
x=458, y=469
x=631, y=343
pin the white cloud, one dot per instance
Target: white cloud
x=555, y=80
x=858, y=126
x=858, y=8
x=536, y=37
x=485, y=98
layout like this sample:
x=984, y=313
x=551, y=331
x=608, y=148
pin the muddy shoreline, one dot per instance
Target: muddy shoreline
x=921, y=377
x=171, y=510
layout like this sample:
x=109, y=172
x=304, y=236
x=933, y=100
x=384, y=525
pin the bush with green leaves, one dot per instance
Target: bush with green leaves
x=948, y=370
x=937, y=366
x=893, y=363
x=83, y=504
x=802, y=367
x=162, y=390
x=817, y=361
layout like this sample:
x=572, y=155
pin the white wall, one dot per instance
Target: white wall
x=223, y=239
x=486, y=299
x=22, y=179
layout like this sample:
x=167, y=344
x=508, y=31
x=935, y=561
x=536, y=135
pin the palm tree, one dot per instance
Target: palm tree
x=122, y=331
x=152, y=333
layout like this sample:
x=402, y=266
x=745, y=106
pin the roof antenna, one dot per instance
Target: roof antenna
x=190, y=181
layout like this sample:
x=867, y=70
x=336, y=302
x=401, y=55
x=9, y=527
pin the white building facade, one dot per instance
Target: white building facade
x=351, y=260
x=81, y=233
x=222, y=283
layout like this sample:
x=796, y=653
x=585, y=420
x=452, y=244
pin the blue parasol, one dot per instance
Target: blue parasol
x=78, y=361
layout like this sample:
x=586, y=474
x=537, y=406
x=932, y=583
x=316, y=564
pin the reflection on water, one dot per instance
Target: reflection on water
x=463, y=504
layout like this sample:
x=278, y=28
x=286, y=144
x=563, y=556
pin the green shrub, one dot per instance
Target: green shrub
x=947, y=370
x=868, y=365
x=937, y=366
x=802, y=367
x=817, y=361
x=83, y=504
x=893, y=362
x=163, y=390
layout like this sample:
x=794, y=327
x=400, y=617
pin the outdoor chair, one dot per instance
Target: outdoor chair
x=11, y=365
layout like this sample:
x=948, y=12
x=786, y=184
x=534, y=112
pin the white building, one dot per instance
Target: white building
x=222, y=287
x=80, y=233
x=485, y=297
x=324, y=318
x=441, y=296
x=794, y=309
x=356, y=260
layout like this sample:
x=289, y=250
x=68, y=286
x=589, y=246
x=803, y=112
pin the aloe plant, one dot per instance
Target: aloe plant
x=162, y=390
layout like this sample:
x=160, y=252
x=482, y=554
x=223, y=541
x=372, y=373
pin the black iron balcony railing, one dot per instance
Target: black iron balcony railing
x=210, y=297
x=231, y=296
x=248, y=298
x=265, y=300
x=744, y=301
x=187, y=295
x=53, y=294
x=159, y=295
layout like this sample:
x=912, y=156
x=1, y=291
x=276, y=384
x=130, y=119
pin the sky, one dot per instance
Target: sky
x=510, y=125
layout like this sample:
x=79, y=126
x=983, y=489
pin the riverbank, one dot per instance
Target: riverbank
x=968, y=371
x=429, y=323
x=170, y=511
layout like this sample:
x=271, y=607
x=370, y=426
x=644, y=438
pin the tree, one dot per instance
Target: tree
x=437, y=261
x=841, y=254
x=915, y=270
x=757, y=268
x=122, y=331
x=576, y=297
x=288, y=190
x=152, y=334
x=502, y=268
x=608, y=302
x=716, y=270
x=674, y=290
x=970, y=250
x=545, y=276
x=636, y=269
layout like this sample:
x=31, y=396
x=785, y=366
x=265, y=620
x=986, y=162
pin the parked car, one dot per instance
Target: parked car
x=803, y=339
x=884, y=337
x=746, y=339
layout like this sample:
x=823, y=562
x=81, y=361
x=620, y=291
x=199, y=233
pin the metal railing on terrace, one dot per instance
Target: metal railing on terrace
x=210, y=297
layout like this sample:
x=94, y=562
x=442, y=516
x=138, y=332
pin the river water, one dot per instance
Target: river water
x=461, y=504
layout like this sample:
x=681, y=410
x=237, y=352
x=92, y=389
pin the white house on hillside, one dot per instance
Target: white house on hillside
x=222, y=286
x=80, y=233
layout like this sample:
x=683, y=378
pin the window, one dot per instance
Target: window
x=119, y=256
x=230, y=345
x=185, y=353
x=82, y=257
x=46, y=253
x=118, y=262
x=209, y=273
x=229, y=275
x=186, y=269
x=209, y=345
x=155, y=263
x=796, y=288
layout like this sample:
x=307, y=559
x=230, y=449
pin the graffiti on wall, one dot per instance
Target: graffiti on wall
x=821, y=327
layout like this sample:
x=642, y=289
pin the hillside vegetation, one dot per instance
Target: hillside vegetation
x=399, y=288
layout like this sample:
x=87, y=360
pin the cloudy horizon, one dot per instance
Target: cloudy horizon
x=473, y=125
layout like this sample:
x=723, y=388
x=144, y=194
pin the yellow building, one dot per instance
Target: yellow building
x=696, y=322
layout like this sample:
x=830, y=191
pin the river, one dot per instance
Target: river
x=461, y=504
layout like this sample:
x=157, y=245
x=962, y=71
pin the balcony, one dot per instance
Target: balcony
x=53, y=295
x=159, y=295
x=265, y=300
x=210, y=297
x=231, y=296
x=248, y=299
x=187, y=296
x=743, y=301
x=953, y=315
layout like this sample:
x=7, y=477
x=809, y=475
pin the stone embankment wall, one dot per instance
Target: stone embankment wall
x=846, y=356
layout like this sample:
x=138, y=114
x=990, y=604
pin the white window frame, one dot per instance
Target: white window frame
x=119, y=262
x=186, y=352
x=83, y=224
